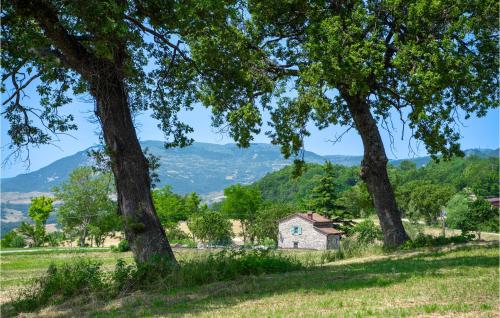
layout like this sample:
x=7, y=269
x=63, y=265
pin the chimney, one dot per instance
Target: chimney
x=310, y=215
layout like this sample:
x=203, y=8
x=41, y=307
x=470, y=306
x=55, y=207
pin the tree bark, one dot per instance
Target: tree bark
x=107, y=85
x=143, y=229
x=374, y=172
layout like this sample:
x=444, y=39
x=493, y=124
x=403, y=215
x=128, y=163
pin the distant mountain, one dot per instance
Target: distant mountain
x=201, y=167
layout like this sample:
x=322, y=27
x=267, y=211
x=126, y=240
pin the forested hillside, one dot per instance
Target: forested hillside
x=478, y=174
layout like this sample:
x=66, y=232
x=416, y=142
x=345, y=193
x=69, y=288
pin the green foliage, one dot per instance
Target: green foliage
x=482, y=216
x=423, y=240
x=40, y=209
x=265, y=226
x=457, y=210
x=61, y=282
x=86, y=277
x=123, y=246
x=323, y=197
x=367, y=232
x=219, y=266
x=350, y=248
x=174, y=232
x=86, y=208
x=12, y=239
x=211, y=227
x=35, y=233
x=55, y=238
x=282, y=186
x=427, y=201
x=357, y=201
x=172, y=208
x=469, y=213
x=242, y=203
x=475, y=173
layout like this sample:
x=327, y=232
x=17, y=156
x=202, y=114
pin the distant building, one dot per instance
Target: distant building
x=308, y=230
x=494, y=201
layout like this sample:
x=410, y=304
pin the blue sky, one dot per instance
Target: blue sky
x=476, y=133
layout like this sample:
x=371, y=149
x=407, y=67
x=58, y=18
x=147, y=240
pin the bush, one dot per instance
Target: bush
x=86, y=277
x=13, y=239
x=368, y=232
x=123, y=246
x=60, y=283
x=350, y=248
x=423, y=240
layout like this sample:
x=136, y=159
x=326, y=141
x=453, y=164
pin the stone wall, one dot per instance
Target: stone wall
x=310, y=238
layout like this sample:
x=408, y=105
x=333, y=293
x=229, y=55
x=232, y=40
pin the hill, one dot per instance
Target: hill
x=479, y=173
x=201, y=167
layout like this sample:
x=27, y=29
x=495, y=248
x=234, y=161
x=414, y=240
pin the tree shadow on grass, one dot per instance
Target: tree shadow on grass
x=202, y=299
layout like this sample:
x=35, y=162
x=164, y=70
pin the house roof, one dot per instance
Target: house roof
x=315, y=217
x=328, y=230
x=309, y=216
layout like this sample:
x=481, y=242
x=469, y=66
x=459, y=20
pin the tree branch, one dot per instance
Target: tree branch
x=46, y=16
x=20, y=88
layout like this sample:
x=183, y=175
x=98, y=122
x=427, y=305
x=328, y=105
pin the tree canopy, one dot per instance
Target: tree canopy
x=87, y=208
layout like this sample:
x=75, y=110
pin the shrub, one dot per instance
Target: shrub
x=18, y=241
x=368, y=232
x=13, y=239
x=87, y=278
x=60, y=283
x=423, y=240
x=350, y=248
x=123, y=246
x=211, y=227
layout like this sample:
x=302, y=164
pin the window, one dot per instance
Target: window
x=296, y=230
x=295, y=244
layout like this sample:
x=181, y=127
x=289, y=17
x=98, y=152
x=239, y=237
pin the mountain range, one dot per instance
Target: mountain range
x=201, y=167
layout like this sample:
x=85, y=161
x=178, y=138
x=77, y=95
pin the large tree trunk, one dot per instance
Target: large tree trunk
x=143, y=229
x=374, y=173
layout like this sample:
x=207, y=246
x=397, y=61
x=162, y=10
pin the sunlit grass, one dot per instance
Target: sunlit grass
x=428, y=283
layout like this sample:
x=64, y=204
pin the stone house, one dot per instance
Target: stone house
x=308, y=230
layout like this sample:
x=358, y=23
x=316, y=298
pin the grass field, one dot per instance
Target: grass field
x=445, y=282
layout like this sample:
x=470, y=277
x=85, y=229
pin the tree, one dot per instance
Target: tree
x=324, y=196
x=35, y=233
x=86, y=205
x=39, y=211
x=356, y=201
x=427, y=201
x=172, y=208
x=267, y=216
x=457, y=210
x=241, y=203
x=211, y=227
x=356, y=64
x=101, y=49
x=481, y=214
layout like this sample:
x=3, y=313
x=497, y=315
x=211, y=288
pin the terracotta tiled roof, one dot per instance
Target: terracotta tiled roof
x=328, y=230
x=315, y=217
